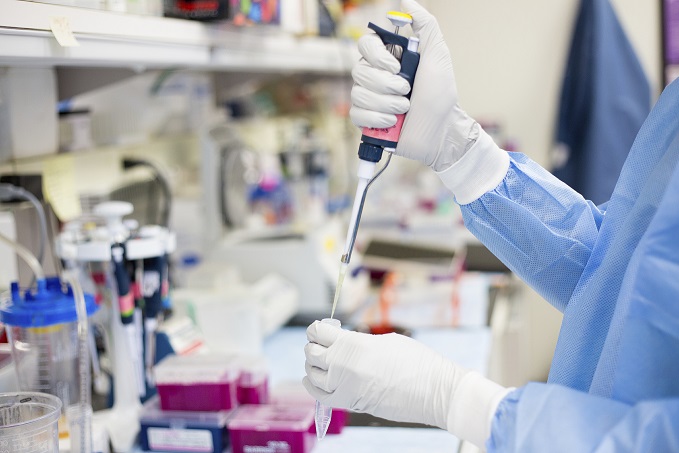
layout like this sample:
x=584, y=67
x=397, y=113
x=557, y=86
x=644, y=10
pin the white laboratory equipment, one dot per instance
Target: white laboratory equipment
x=95, y=241
x=307, y=258
x=231, y=315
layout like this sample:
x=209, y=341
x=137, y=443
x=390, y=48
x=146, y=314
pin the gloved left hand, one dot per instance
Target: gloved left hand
x=395, y=377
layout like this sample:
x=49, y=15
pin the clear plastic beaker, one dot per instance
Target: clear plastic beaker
x=43, y=332
x=28, y=422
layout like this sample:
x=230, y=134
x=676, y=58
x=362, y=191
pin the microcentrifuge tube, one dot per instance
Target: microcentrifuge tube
x=324, y=413
x=323, y=417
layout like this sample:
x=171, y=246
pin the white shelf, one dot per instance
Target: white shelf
x=283, y=53
x=18, y=46
x=108, y=39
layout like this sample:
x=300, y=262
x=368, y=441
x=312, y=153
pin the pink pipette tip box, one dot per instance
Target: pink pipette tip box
x=253, y=388
x=272, y=427
x=253, y=384
x=203, y=383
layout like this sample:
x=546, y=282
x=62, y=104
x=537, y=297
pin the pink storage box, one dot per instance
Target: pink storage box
x=253, y=388
x=253, y=384
x=203, y=383
x=272, y=427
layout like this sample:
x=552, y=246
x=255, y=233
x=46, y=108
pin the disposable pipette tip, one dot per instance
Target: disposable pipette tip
x=338, y=288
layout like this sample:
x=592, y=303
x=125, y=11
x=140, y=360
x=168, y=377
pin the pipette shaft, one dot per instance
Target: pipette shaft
x=365, y=173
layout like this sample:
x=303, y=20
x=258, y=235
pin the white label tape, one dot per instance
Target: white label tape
x=61, y=27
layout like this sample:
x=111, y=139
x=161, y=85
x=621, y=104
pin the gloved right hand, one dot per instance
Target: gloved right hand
x=436, y=132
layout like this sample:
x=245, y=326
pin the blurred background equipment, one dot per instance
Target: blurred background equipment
x=158, y=198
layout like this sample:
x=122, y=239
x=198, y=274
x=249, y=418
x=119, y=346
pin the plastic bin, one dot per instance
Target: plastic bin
x=28, y=422
x=253, y=383
x=272, y=428
x=203, y=383
x=168, y=431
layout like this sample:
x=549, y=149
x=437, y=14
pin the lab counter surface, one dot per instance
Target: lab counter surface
x=366, y=439
x=467, y=347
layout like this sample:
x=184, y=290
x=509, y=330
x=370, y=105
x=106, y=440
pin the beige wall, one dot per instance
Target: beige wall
x=509, y=58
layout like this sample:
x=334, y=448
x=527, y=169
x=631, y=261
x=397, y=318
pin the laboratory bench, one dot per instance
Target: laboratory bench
x=468, y=347
x=366, y=439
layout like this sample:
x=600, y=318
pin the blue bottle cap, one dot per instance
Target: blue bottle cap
x=47, y=306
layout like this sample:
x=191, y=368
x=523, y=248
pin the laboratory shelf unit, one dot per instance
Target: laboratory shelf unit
x=110, y=39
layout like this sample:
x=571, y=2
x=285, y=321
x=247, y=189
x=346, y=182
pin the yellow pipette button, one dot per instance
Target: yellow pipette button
x=399, y=19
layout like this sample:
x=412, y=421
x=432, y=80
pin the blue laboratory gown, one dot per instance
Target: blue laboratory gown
x=613, y=270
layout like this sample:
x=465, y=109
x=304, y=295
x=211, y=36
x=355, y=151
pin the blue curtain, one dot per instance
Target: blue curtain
x=605, y=98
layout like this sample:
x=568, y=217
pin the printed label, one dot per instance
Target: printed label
x=390, y=134
x=273, y=446
x=61, y=28
x=151, y=284
x=191, y=440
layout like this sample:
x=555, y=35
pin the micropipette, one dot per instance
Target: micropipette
x=375, y=141
x=153, y=304
x=127, y=307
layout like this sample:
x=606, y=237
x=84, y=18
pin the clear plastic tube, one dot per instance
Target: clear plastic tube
x=323, y=417
x=20, y=192
x=26, y=255
x=80, y=416
x=323, y=414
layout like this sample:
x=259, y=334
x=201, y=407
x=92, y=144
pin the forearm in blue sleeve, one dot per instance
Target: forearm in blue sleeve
x=539, y=227
x=548, y=417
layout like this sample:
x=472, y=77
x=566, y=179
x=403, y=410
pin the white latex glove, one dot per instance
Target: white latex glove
x=436, y=132
x=395, y=377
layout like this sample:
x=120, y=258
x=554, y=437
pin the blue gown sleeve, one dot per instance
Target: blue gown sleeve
x=538, y=226
x=567, y=420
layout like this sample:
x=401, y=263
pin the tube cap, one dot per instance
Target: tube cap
x=48, y=306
